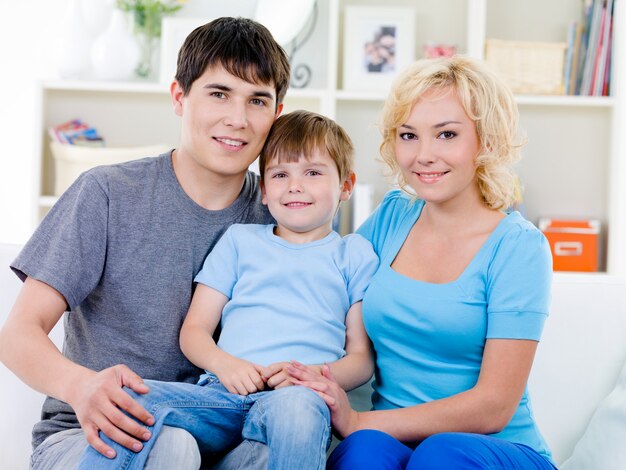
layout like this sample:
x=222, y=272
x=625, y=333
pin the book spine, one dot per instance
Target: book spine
x=598, y=66
x=592, y=47
x=576, y=60
x=569, y=58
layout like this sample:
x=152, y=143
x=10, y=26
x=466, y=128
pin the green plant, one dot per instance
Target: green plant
x=147, y=14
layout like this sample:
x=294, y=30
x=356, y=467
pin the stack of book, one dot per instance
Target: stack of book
x=588, y=61
x=76, y=132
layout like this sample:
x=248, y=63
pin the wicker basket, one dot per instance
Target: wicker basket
x=72, y=160
x=528, y=67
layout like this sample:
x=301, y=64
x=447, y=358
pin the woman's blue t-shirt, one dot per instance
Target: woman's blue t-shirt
x=429, y=338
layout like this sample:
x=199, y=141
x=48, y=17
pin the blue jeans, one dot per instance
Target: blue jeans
x=293, y=422
x=447, y=451
x=175, y=448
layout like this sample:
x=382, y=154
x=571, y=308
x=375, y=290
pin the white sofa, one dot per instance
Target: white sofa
x=577, y=364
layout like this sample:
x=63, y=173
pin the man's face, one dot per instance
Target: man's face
x=225, y=121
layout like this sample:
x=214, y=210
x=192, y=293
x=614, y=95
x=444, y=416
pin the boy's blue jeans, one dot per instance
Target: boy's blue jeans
x=293, y=421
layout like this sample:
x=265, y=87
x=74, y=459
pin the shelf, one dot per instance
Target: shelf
x=296, y=93
x=586, y=278
x=315, y=93
x=361, y=95
x=522, y=100
x=106, y=86
x=150, y=87
x=564, y=100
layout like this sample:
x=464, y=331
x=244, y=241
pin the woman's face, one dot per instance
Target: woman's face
x=436, y=148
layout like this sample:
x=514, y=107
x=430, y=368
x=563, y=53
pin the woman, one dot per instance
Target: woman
x=458, y=304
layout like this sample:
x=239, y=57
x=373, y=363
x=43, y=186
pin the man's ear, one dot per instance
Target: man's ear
x=177, y=95
x=263, y=199
x=347, y=186
x=279, y=109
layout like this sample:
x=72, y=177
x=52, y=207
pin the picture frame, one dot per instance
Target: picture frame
x=378, y=43
x=173, y=33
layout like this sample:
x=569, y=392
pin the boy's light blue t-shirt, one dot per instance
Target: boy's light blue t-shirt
x=429, y=338
x=287, y=301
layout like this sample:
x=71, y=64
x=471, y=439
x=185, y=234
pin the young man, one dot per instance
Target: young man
x=120, y=249
x=284, y=291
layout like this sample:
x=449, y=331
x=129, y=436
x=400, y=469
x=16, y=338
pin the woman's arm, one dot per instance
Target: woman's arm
x=485, y=408
x=197, y=343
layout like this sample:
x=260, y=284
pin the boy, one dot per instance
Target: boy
x=121, y=247
x=290, y=290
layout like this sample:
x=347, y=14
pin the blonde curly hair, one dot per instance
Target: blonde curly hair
x=489, y=104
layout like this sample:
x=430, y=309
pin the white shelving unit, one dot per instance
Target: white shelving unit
x=573, y=165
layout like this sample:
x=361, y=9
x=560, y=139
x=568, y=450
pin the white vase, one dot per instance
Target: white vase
x=76, y=41
x=97, y=14
x=115, y=52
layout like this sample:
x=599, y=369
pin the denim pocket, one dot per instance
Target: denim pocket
x=208, y=379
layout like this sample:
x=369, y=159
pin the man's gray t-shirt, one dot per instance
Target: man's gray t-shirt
x=123, y=245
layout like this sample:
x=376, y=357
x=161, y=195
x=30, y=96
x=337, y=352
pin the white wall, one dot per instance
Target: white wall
x=30, y=37
x=28, y=32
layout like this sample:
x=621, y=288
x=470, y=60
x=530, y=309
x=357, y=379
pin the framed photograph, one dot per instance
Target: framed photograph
x=378, y=43
x=173, y=33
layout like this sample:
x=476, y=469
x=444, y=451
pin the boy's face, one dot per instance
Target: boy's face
x=303, y=196
x=225, y=121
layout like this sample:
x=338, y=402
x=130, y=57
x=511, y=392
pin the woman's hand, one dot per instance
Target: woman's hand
x=343, y=418
x=276, y=375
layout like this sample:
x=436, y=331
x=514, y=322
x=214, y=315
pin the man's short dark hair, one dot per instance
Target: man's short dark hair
x=245, y=48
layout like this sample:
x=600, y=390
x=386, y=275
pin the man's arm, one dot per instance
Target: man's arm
x=96, y=397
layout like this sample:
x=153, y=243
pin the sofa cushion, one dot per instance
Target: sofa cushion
x=602, y=444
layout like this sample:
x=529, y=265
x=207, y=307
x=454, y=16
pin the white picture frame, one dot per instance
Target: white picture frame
x=173, y=33
x=378, y=43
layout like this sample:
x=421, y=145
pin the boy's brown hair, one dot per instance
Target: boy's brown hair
x=245, y=48
x=300, y=133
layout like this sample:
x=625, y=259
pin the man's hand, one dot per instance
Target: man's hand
x=239, y=376
x=98, y=401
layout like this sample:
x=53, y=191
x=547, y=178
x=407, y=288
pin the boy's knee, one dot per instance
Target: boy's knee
x=174, y=448
x=296, y=410
x=302, y=401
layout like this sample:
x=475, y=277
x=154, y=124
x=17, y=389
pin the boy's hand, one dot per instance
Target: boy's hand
x=276, y=375
x=239, y=376
x=98, y=400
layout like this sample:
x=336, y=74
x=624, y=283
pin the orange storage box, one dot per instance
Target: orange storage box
x=574, y=243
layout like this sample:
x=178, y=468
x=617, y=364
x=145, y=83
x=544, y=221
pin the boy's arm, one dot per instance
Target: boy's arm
x=95, y=397
x=357, y=366
x=352, y=370
x=197, y=343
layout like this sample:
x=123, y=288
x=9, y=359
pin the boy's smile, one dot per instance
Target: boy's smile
x=303, y=196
